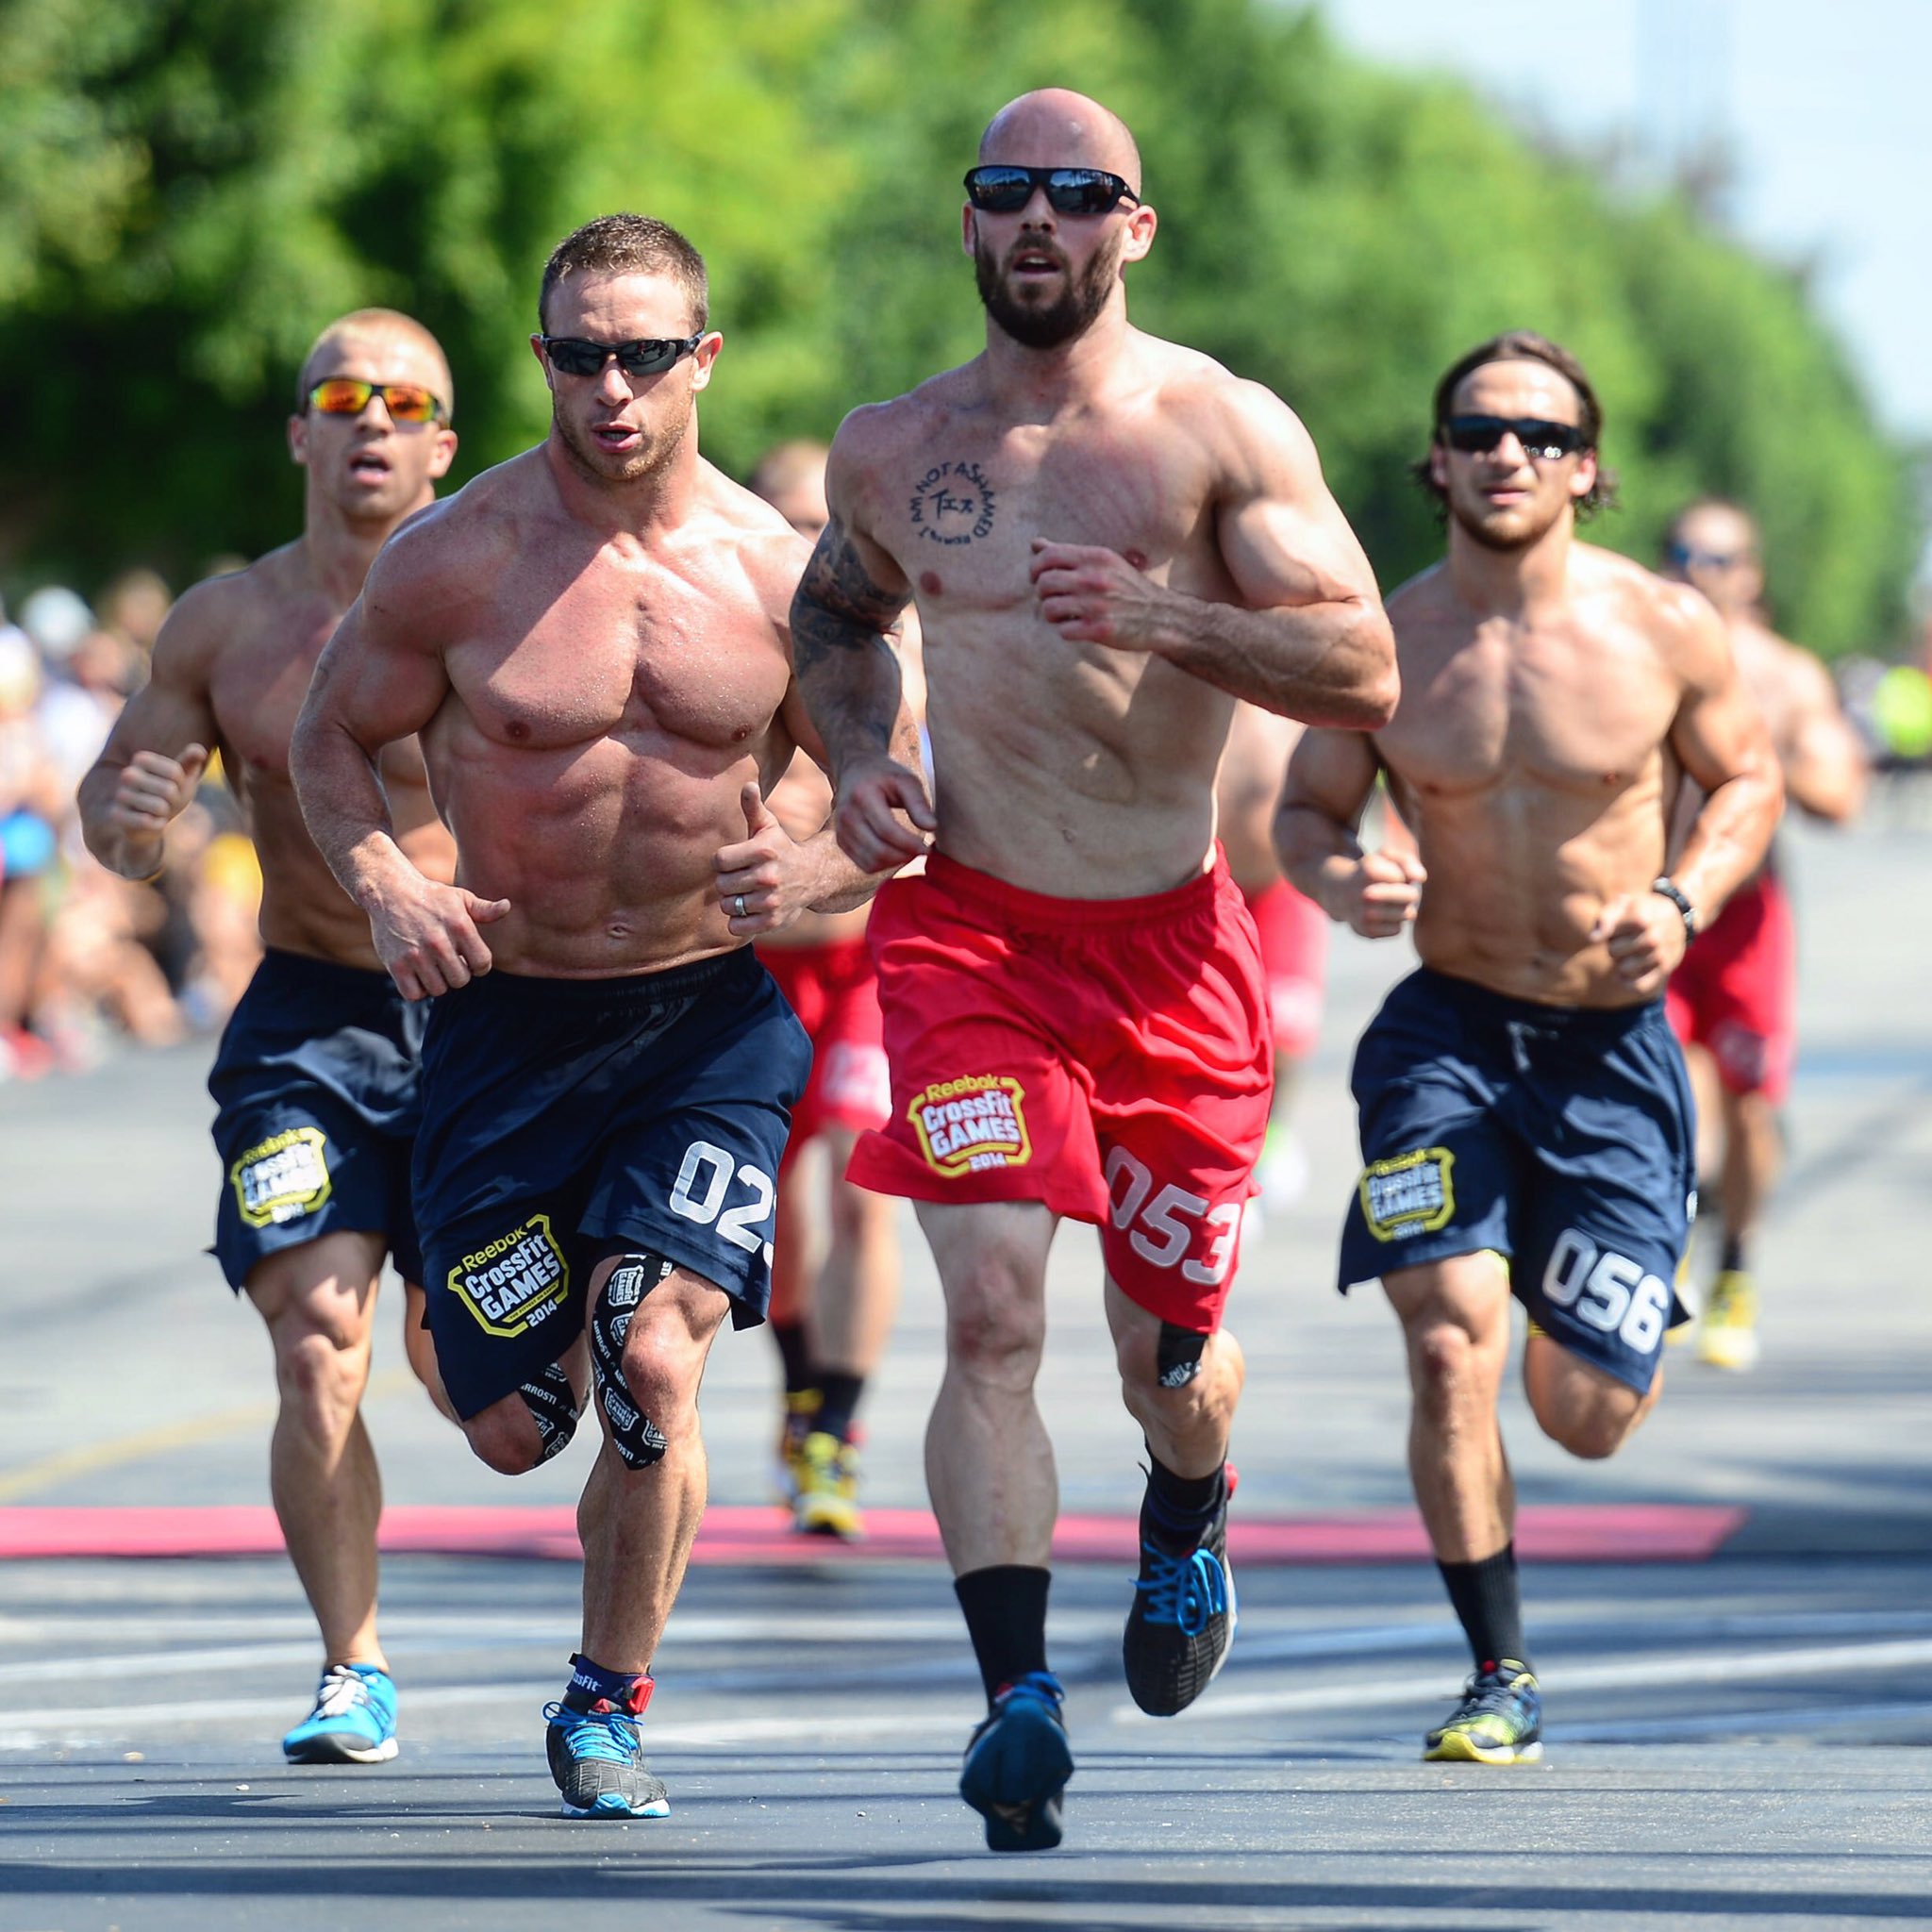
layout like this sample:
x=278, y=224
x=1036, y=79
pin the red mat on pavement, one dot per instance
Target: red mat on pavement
x=1583, y=1533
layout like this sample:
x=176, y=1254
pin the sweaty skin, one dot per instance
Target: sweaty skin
x=1107, y=543
x=233, y=662
x=1551, y=707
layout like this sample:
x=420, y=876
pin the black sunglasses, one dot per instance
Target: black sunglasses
x=647, y=356
x=1474, y=435
x=1002, y=190
x=1683, y=557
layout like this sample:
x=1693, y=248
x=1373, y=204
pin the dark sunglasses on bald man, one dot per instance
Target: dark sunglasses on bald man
x=349, y=395
x=1003, y=190
x=1477, y=435
x=646, y=356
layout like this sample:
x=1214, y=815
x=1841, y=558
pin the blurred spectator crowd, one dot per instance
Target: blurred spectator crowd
x=87, y=958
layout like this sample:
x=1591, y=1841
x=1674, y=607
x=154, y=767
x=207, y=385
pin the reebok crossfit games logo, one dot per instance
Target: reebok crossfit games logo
x=516, y=1282
x=1409, y=1196
x=973, y=1122
x=282, y=1177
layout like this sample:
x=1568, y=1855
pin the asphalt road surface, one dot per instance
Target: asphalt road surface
x=1739, y=1688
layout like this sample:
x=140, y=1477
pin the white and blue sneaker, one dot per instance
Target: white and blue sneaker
x=354, y=1721
x=597, y=1757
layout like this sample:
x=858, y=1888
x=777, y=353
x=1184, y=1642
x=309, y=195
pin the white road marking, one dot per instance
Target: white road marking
x=1737, y=1667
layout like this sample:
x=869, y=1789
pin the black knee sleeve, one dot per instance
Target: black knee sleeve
x=553, y=1405
x=637, y=1439
x=1178, y=1360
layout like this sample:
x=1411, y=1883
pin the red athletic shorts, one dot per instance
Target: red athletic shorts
x=1110, y=1057
x=1294, y=951
x=834, y=992
x=1737, y=991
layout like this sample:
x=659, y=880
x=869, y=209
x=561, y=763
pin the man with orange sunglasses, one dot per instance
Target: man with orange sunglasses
x=316, y=1077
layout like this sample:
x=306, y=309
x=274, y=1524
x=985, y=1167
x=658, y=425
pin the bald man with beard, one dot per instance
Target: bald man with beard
x=1110, y=540
x=316, y=1079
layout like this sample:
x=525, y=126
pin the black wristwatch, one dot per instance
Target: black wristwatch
x=1681, y=900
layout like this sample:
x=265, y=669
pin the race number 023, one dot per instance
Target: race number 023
x=1610, y=1291
x=716, y=1169
x=1163, y=1236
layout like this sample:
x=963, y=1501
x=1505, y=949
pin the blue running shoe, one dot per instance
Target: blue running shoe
x=1183, y=1619
x=1500, y=1720
x=598, y=1760
x=1017, y=1766
x=354, y=1721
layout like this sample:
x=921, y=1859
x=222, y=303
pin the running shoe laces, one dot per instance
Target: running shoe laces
x=1189, y=1591
x=354, y=1721
x=1182, y=1620
x=596, y=1758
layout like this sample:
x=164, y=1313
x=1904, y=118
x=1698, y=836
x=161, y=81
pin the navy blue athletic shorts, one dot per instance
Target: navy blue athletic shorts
x=565, y=1121
x=316, y=1082
x=1561, y=1137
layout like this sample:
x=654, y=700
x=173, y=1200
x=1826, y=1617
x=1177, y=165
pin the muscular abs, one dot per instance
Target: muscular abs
x=588, y=759
x=1533, y=768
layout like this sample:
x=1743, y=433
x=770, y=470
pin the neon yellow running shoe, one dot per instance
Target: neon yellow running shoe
x=1500, y=1720
x=828, y=1488
x=788, y=1463
x=1728, y=1335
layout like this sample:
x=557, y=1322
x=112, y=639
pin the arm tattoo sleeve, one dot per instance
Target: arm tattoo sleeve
x=847, y=671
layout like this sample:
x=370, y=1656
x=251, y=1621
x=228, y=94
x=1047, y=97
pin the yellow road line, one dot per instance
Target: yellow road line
x=138, y=1447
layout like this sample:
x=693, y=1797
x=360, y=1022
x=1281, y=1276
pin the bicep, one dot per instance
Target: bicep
x=172, y=709
x=376, y=679
x=1283, y=537
x=1719, y=733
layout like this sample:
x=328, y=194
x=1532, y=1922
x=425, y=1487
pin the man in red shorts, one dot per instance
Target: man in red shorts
x=1110, y=540
x=1293, y=930
x=1733, y=1002
x=832, y=1307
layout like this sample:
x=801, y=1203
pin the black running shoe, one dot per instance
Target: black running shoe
x=1183, y=1619
x=598, y=1762
x=1500, y=1720
x=1017, y=1766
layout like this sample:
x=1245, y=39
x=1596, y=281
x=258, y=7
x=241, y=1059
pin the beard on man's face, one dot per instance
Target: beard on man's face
x=1508, y=530
x=600, y=465
x=1046, y=324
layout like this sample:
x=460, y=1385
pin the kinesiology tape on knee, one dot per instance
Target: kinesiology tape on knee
x=1179, y=1360
x=638, y=1439
x=553, y=1405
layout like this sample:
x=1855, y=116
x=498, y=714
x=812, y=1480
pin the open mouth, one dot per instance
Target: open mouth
x=369, y=465
x=1032, y=263
x=615, y=436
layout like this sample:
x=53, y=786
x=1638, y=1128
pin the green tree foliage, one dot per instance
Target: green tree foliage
x=188, y=189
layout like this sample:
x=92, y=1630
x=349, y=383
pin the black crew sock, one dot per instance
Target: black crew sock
x=1179, y=1508
x=1730, y=1258
x=1487, y=1602
x=1005, y=1617
x=840, y=1393
x=794, y=1351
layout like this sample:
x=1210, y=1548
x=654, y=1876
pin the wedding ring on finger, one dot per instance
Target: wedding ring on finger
x=738, y=904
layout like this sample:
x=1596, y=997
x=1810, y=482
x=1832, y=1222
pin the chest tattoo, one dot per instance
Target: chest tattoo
x=952, y=504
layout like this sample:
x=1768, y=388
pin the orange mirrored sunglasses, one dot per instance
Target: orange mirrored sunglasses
x=348, y=395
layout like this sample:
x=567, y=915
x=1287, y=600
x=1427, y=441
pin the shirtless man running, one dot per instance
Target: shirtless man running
x=1526, y=1122
x=1110, y=540
x=317, y=1074
x=1734, y=1001
x=592, y=642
